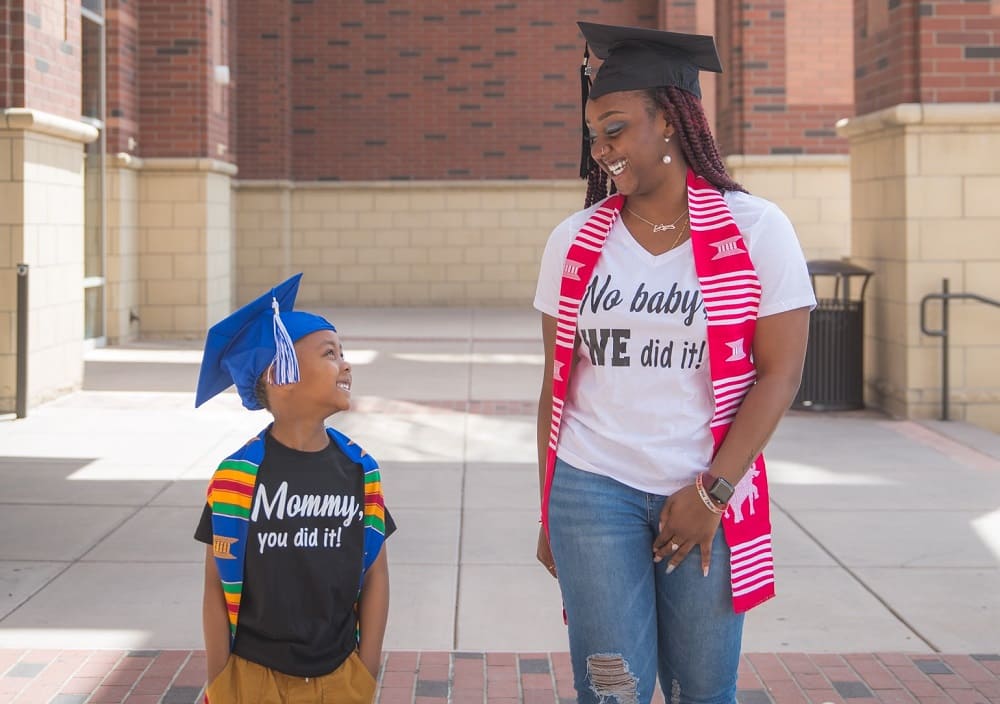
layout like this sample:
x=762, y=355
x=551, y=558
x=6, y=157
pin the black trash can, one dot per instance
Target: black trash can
x=833, y=376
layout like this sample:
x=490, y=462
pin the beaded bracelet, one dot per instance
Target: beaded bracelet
x=712, y=506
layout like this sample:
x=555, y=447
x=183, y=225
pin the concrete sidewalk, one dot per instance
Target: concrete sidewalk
x=887, y=533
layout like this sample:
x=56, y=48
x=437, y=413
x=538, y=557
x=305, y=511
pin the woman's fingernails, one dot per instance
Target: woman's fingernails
x=657, y=558
x=671, y=567
x=705, y=571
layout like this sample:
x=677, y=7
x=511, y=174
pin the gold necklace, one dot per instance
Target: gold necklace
x=680, y=233
x=658, y=227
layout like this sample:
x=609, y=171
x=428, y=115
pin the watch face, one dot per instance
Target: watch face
x=721, y=491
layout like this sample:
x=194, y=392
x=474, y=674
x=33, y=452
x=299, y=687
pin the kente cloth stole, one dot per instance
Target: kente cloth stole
x=731, y=292
x=230, y=496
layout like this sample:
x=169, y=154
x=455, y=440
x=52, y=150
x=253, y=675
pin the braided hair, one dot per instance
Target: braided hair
x=684, y=111
x=597, y=183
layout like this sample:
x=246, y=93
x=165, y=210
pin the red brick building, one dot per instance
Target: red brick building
x=397, y=152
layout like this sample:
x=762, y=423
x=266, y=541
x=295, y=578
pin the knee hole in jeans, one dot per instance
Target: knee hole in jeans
x=610, y=677
x=675, y=692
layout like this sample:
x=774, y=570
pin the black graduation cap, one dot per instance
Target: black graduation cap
x=637, y=57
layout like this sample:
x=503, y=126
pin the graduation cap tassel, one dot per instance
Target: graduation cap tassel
x=286, y=364
x=584, y=95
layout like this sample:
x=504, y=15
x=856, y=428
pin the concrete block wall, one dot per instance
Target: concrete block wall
x=814, y=191
x=384, y=243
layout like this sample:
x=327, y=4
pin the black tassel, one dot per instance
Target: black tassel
x=585, y=158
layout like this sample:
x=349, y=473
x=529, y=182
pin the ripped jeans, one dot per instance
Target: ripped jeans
x=630, y=621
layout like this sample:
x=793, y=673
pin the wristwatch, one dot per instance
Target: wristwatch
x=718, y=489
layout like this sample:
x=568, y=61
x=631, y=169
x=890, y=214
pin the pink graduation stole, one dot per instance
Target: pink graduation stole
x=731, y=291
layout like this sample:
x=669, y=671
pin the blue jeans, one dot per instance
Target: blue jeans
x=630, y=621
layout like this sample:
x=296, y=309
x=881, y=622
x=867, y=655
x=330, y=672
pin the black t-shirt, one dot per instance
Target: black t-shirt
x=303, y=560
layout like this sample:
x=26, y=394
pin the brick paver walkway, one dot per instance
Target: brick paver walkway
x=176, y=677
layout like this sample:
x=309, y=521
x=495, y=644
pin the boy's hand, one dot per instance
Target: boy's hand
x=374, y=613
x=371, y=666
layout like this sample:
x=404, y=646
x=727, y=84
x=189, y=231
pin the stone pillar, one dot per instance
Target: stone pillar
x=42, y=193
x=787, y=81
x=924, y=177
x=185, y=246
x=41, y=165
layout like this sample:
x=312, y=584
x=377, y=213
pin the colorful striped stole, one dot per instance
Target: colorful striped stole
x=230, y=496
x=731, y=291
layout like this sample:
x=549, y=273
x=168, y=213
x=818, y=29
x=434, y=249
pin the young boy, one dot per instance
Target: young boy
x=296, y=581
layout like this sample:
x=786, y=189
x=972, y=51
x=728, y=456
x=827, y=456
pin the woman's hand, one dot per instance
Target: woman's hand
x=544, y=552
x=685, y=521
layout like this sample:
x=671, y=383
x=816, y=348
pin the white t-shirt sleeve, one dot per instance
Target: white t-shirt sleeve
x=780, y=264
x=550, y=272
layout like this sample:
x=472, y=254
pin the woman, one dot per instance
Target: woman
x=675, y=316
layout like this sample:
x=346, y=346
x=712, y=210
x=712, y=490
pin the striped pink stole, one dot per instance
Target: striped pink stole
x=731, y=292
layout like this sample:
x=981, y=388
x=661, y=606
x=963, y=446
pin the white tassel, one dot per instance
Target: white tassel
x=286, y=364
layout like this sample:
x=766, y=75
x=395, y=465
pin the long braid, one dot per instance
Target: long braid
x=597, y=184
x=685, y=113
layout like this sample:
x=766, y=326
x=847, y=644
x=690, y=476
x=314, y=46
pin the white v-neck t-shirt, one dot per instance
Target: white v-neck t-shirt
x=640, y=397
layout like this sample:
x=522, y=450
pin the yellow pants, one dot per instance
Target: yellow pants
x=245, y=682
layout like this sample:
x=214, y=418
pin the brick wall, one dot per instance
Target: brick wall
x=885, y=67
x=405, y=243
x=729, y=87
x=934, y=51
x=182, y=112
x=959, y=52
x=122, y=27
x=6, y=57
x=217, y=54
x=40, y=53
x=263, y=98
x=424, y=90
x=788, y=77
x=678, y=15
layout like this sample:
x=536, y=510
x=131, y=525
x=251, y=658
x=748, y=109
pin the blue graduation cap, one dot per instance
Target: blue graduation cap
x=239, y=348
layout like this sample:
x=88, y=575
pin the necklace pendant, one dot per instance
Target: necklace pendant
x=663, y=228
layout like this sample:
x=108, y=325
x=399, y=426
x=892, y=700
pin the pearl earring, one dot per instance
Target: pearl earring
x=666, y=157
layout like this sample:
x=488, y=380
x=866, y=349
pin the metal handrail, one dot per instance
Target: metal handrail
x=944, y=332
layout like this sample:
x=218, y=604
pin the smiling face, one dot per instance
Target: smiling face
x=627, y=140
x=325, y=378
x=324, y=372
